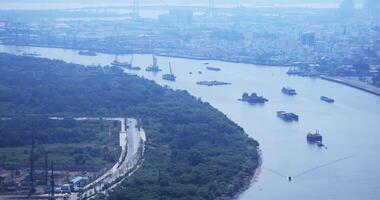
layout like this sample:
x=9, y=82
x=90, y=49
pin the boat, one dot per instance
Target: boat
x=212, y=83
x=253, y=98
x=289, y=91
x=169, y=77
x=314, y=137
x=87, y=53
x=127, y=65
x=327, y=99
x=34, y=54
x=289, y=117
x=154, y=67
x=136, y=68
x=213, y=68
x=116, y=63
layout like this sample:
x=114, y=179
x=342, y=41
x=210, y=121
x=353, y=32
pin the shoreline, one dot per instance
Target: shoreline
x=352, y=85
x=250, y=181
x=323, y=77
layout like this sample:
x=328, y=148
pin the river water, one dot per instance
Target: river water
x=347, y=169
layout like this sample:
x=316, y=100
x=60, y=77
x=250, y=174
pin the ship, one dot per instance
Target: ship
x=127, y=65
x=154, y=67
x=87, y=53
x=327, y=99
x=116, y=63
x=169, y=77
x=315, y=138
x=289, y=91
x=289, y=117
x=213, y=68
x=253, y=98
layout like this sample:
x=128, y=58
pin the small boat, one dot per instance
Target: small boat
x=213, y=69
x=199, y=72
x=289, y=91
x=327, y=99
x=154, y=67
x=136, y=68
x=34, y=54
x=289, y=117
x=87, y=53
x=169, y=77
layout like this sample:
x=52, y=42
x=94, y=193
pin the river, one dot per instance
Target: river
x=347, y=169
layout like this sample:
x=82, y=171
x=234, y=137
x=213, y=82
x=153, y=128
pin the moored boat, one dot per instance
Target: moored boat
x=154, y=67
x=289, y=91
x=327, y=99
x=169, y=77
x=289, y=117
x=87, y=53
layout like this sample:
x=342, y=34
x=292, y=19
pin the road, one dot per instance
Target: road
x=132, y=140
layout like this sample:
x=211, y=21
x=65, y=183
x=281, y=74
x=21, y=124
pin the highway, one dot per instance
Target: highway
x=131, y=141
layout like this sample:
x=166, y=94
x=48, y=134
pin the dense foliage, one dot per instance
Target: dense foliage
x=68, y=142
x=193, y=150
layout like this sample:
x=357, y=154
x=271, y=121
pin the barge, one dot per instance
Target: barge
x=288, y=91
x=253, y=98
x=327, y=99
x=289, y=117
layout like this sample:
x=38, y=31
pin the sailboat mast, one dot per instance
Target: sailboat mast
x=131, y=60
x=154, y=61
x=170, y=66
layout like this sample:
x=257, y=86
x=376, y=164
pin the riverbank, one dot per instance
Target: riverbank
x=354, y=84
x=244, y=60
x=341, y=80
x=250, y=181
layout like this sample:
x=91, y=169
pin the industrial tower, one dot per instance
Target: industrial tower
x=211, y=7
x=136, y=8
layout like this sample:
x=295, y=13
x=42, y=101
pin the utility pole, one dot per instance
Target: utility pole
x=46, y=169
x=52, y=182
x=31, y=173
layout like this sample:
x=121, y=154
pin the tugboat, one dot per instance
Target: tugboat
x=327, y=99
x=213, y=68
x=169, y=77
x=289, y=117
x=154, y=67
x=289, y=91
x=87, y=53
x=253, y=98
x=315, y=138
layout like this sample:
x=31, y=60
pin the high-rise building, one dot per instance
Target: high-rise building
x=181, y=16
x=307, y=39
x=371, y=7
x=347, y=8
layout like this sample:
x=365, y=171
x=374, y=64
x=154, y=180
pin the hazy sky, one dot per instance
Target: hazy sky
x=18, y=4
